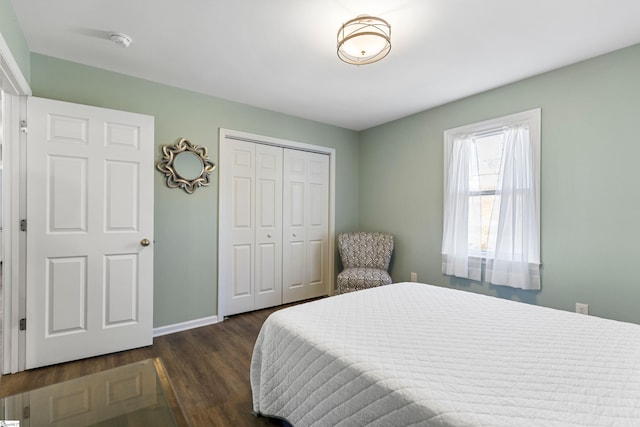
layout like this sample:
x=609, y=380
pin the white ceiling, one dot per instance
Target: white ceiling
x=281, y=54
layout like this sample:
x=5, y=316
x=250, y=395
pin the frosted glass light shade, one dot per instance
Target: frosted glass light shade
x=364, y=40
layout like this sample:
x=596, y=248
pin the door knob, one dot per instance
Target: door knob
x=145, y=242
x=269, y=236
x=294, y=235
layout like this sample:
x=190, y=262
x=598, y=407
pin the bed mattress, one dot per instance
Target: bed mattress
x=415, y=354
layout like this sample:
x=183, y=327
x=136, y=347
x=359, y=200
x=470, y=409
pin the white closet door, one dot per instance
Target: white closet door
x=268, y=236
x=305, y=225
x=250, y=226
x=237, y=226
x=318, y=225
x=274, y=222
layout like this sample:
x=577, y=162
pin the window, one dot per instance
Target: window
x=483, y=179
x=492, y=199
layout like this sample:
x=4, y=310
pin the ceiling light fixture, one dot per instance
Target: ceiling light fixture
x=364, y=40
x=120, y=39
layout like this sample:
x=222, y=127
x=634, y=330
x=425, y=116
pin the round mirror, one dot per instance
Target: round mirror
x=187, y=165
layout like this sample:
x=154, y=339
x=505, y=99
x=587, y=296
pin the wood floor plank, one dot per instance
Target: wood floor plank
x=208, y=368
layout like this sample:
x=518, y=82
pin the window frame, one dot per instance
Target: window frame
x=531, y=118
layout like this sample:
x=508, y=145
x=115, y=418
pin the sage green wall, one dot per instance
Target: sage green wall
x=392, y=179
x=590, y=184
x=14, y=37
x=186, y=225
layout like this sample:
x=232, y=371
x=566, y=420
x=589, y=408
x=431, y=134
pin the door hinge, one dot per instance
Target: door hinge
x=26, y=412
x=23, y=225
x=23, y=324
x=23, y=126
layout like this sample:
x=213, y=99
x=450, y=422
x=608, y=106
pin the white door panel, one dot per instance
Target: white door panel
x=316, y=261
x=237, y=227
x=121, y=289
x=89, y=206
x=305, y=225
x=294, y=226
x=67, y=201
x=242, y=275
x=318, y=225
x=66, y=295
x=250, y=226
x=121, y=197
x=268, y=237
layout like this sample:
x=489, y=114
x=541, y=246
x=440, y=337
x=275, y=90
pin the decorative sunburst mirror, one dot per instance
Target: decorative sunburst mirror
x=186, y=166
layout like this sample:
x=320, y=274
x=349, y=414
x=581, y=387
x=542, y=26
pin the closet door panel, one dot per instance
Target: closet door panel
x=268, y=237
x=305, y=225
x=317, y=260
x=294, y=266
x=237, y=226
x=241, y=282
x=318, y=224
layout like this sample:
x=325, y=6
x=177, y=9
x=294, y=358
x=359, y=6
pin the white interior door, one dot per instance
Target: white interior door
x=305, y=225
x=90, y=231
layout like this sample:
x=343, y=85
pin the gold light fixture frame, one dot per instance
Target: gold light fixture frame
x=364, y=25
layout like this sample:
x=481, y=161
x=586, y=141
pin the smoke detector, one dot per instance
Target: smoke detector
x=120, y=39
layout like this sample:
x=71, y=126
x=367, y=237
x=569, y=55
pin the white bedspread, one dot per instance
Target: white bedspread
x=415, y=354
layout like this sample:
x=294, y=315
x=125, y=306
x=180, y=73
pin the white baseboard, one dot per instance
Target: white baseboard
x=184, y=326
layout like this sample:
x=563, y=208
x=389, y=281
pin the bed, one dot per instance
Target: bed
x=415, y=354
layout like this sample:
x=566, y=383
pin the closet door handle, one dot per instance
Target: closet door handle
x=294, y=235
x=269, y=236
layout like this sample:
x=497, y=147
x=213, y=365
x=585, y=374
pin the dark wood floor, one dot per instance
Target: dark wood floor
x=208, y=368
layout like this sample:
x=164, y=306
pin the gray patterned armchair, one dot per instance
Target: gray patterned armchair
x=365, y=257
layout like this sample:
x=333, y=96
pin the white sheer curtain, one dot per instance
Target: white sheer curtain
x=456, y=261
x=515, y=260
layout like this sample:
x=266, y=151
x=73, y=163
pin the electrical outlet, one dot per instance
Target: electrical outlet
x=582, y=308
x=414, y=276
